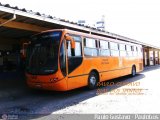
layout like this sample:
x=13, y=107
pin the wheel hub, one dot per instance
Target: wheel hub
x=93, y=80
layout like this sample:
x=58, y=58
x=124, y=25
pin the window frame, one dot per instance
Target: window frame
x=104, y=49
x=79, y=41
x=113, y=50
x=91, y=48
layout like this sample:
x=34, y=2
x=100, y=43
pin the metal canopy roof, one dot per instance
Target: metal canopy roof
x=28, y=23
x=14, y=33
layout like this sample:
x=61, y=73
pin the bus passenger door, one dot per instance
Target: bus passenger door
x=75, y=65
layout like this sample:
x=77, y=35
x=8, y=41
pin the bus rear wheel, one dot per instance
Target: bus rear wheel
x=92, y=80
x=133, y=73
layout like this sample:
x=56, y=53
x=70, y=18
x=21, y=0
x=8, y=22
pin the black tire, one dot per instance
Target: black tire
x=133, y=72
x=92, y=80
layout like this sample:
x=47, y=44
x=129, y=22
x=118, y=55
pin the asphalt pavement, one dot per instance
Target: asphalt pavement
x=139, y=94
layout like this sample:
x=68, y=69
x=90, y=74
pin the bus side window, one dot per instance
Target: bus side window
x=63, y=59
x=134, y=51
x=77, y=51
x=69, y=48
x=129, y=50
x=140, y=54
x=104, y=48
x=90, y=47
x=114, y=49
x=122, y=48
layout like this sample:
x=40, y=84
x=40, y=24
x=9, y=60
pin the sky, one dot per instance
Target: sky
x=136, y=19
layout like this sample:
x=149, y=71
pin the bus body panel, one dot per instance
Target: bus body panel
x=77, y=81
x=47, y=82
x=77, y=78
x=57, y=86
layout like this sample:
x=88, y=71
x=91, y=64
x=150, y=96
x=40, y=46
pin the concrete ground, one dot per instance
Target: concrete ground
x=139, y=94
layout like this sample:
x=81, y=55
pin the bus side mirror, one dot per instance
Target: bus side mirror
x=69, y=38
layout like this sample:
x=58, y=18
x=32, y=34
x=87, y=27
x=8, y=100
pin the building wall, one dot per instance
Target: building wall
x=151, y=56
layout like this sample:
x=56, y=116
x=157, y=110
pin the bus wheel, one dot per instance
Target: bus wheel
x=92, y=80
x=133, y=71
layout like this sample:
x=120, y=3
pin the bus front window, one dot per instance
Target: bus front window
x=42, y=53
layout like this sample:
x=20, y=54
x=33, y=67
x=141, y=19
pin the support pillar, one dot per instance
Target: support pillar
x=148, y=57
x=159, y=57
x=144, y=57
x=154, y=59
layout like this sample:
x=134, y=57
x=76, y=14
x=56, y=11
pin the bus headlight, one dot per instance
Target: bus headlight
x=53, y=79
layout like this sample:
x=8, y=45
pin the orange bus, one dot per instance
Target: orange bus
x=63, y=59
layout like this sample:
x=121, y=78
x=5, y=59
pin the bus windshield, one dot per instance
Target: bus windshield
x=42, y=53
